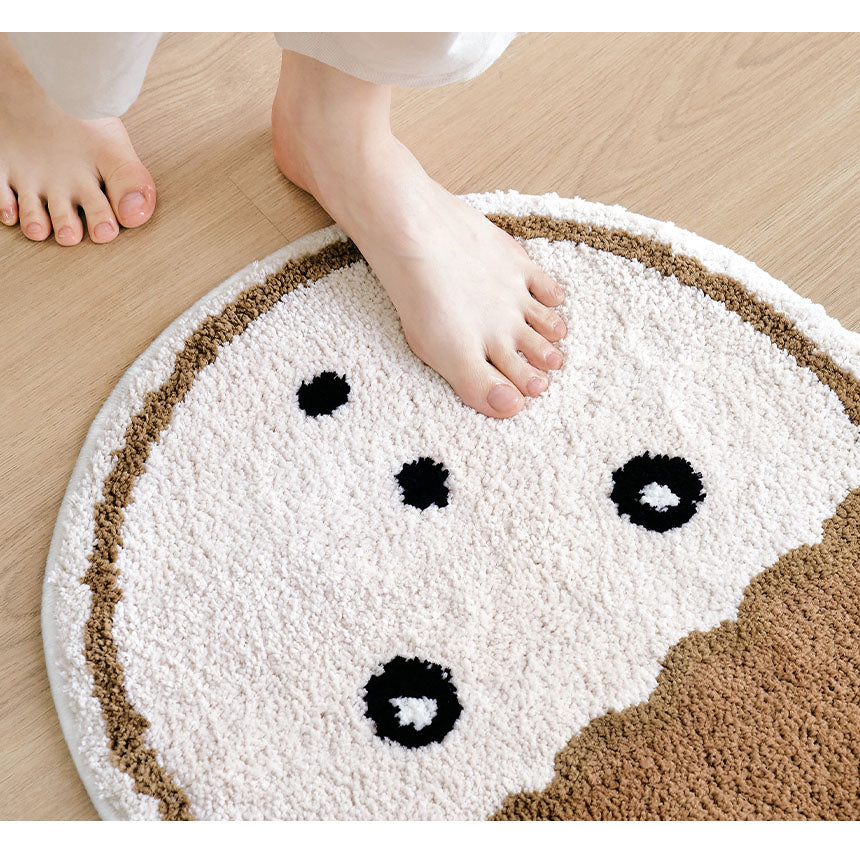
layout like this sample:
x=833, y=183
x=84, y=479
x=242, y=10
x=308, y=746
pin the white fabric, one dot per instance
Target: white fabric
x=268, y=565
x=402, y=59
x=89, y=75
x=97, y=75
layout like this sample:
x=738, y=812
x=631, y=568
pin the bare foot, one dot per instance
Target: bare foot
x=52, y=163
x=472, y=304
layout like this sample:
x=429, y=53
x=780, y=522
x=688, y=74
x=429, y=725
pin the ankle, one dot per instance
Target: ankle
x=326, y=165
x=326, y=125
x=331, y=99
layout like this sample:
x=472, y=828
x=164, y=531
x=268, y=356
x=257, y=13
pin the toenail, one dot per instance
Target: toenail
x=560, y=328
x=535, y=385
x=553, y=359
x=65, y=233
x=34, y=230
x=502, y=398
x=559, y=293
x=104, y=230
x=132, y=204
x=6, y=216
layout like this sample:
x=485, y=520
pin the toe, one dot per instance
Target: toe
x=8, y=205
x=545, y=321
x=485, y=389
x=545, y=289
x=527, y=379
x=68, y=229
x=130, y=190
x=35, y=223
x=101, y=222
x=539, y=352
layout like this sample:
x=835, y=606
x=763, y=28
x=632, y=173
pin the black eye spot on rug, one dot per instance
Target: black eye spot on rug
x=412, y=702
x=323, y=394
x=657, y=492
x=423, y=483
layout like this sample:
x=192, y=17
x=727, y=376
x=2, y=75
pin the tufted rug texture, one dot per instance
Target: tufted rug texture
x=294, y=577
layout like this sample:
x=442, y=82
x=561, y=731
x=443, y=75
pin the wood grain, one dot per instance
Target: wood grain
x=747, y=139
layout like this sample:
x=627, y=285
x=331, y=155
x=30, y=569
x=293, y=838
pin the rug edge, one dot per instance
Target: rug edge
x=57, y=661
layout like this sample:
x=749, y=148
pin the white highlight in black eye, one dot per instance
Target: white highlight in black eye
x=414, y=711
x=657, y=492
x=658, y=496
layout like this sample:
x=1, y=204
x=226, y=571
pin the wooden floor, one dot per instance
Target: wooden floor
x=749, y=140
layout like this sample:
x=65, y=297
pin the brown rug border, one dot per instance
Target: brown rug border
x=125, y=726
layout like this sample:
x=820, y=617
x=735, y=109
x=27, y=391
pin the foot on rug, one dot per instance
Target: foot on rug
x=472, y=304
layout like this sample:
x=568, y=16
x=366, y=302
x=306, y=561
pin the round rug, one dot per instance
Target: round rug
x=294, y=577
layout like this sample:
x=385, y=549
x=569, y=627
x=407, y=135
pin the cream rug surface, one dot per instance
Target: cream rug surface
x=294, y=577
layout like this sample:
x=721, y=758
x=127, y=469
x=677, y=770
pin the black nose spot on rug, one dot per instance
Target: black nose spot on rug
x=412, y=702
x=323, y=394
x=423, y=483
x=657, y=492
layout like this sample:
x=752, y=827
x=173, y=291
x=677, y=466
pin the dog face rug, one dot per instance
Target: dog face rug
x=294, y=577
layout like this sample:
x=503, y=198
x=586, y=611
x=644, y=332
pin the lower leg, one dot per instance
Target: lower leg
x=472, y=304
x=52, y=163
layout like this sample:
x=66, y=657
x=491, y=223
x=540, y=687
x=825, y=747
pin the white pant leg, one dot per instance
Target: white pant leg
x=89, y=75
x=402, y=59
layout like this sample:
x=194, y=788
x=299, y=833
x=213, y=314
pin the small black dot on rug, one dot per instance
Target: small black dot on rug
x=657, y=492
x=323, y=394
x=412, y=702
x=423, y=483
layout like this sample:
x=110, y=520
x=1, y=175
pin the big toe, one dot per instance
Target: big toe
x=485, y=389
x=131, y=192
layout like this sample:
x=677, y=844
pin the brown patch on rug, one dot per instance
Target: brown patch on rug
x=758, y=718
